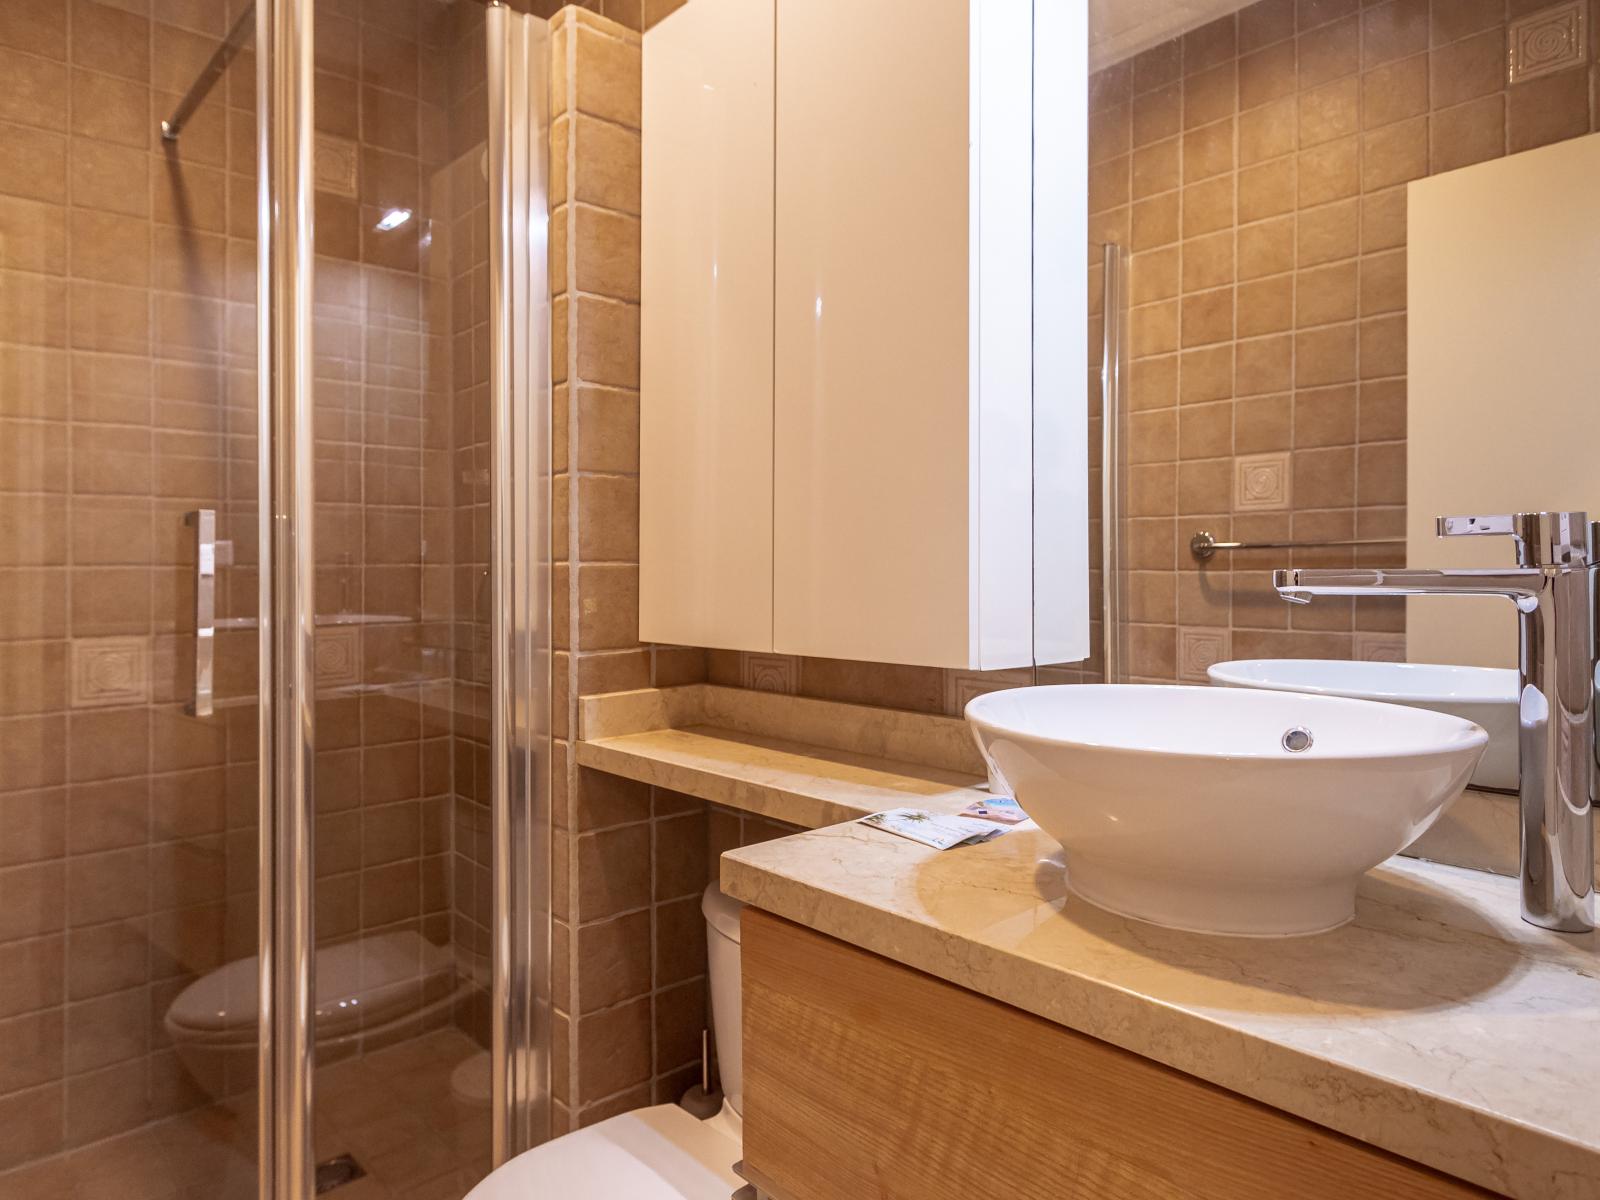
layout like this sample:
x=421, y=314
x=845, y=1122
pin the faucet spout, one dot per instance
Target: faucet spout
x=1299, y=585
x=1555, y=589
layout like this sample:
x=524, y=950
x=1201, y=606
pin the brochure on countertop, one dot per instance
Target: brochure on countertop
x=939, y=832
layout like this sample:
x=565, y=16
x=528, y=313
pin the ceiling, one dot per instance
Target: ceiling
x=1119, y=29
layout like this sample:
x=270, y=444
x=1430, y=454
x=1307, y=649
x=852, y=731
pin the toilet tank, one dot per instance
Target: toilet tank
x=722, y=951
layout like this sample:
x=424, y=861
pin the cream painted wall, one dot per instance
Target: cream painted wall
x=1504, y=346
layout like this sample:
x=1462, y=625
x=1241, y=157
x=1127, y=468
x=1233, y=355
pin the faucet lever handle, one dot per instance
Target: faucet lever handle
x=1475, y=526
x=1542, y=538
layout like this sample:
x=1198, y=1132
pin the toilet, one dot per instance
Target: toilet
x=661, y=1152
x=370, y=991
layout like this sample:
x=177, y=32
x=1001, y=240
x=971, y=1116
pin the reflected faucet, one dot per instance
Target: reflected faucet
x=1553, y=587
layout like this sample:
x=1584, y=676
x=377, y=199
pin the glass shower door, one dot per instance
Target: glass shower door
x=128, y=825
x=416, y=958
x=255, y=810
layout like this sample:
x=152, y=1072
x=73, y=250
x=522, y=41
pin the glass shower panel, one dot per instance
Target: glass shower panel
x=127, y=524
x=402, y=596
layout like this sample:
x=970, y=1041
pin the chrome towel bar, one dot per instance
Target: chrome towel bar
x=1203, y=545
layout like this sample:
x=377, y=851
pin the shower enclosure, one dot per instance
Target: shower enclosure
x=273, y=597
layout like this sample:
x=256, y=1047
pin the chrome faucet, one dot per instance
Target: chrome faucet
x=1553, y=587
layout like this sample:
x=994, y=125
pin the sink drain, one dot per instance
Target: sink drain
x=1297, y=739
x=336, y=1172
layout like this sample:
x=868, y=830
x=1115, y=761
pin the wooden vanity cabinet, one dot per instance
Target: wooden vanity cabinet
x=867, y=1079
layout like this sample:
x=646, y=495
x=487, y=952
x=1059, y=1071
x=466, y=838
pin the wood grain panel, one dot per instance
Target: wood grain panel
x=865, y=1078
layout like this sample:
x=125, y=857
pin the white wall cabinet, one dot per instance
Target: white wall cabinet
x=863, y=415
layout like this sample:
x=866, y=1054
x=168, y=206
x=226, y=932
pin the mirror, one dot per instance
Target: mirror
x=1361, y=257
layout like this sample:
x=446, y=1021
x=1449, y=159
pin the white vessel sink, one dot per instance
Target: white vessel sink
x=1183, y=806
x=1484, y=695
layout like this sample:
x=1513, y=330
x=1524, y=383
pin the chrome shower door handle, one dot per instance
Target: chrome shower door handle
x=204, y=522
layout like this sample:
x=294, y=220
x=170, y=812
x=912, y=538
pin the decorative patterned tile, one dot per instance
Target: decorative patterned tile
x=338, y=650
x=961, y=687
x=110, y=670
x=1199, y=648
x=772, y=673
x=1380, y=647
x=1261, y=483
x=1549, y=40
x=333, y=165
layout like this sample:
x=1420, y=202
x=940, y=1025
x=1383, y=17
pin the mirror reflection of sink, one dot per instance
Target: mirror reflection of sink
x=1486, y=696
x=1217, y=810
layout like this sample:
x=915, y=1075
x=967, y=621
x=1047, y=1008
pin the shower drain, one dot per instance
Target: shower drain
x=337, y=1172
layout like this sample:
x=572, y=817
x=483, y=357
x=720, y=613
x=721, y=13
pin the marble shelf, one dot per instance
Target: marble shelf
x=804, y=762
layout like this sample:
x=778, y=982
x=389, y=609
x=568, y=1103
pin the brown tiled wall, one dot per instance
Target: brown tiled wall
x=1256, y=169
x=630, y=861
x=887, y=685
x=385, y=469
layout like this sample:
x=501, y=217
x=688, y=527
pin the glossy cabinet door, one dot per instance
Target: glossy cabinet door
x=1062, y=370
x=903, y=387
x=880, y=414
x=705, y=422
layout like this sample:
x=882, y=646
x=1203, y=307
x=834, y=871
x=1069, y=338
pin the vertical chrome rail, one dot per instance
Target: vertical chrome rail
x=1111, y=622
x=284, y=293
x=520, y=499
x=503, y=1067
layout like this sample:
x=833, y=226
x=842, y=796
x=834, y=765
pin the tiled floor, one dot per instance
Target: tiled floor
x=393, y=1110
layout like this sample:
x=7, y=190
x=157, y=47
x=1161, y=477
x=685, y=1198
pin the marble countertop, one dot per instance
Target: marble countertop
x=1437, y=1025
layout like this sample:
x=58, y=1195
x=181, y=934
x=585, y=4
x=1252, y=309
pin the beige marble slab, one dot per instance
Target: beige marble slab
x=806, y=762
x=1437, y=1025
